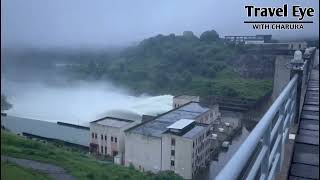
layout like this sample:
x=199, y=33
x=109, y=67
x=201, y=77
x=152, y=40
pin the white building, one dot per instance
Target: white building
x=177, y=140
x=107, y=136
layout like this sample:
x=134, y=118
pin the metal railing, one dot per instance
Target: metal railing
x=261, y=154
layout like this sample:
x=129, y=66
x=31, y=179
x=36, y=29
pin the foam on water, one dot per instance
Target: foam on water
x=81, y=103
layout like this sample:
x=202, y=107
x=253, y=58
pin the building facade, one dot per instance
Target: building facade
x=188, y=152
x=177, y=140
x=107, y=136
x=249, y=39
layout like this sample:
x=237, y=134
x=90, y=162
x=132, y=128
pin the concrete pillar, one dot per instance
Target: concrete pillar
x=281, y=74
x=297, y=68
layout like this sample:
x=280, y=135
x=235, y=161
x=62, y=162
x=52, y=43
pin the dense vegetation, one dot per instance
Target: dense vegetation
x=11, y=171
x=77, y=163
x=5, y=105
x=177, y=64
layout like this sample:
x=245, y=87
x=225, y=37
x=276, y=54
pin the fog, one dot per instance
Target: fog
x=48, y=23
x=104, y=23
x=80, y=102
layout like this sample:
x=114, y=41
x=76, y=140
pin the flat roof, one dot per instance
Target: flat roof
x=46, y=129
x=112, y=122
x=182, y=123
x=159, y=124
x=194, y=132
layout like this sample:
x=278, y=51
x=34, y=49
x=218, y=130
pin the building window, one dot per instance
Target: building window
x=105, y=149
x=114, y=153
x=173, y=142
x=95, y=135
x=115, y=139
x=111, y=138
x=172, y=152
x=172, y=162
x=92, y=135
x=101, y=137
x=105, y=137
x=101, y=149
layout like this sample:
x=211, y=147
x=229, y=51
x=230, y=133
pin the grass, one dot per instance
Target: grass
x=10, y=171
x=246, y=88
x=224, y=81
x=227, y=79
x=80, y=165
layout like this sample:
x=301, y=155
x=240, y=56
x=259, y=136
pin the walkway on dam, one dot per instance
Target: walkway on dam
x=305, y=160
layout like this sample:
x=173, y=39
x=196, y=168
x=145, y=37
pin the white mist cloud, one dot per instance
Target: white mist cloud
x=80, y=103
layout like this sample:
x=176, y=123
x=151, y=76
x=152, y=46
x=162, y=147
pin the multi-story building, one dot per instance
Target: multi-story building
x=177, y=140
x=107, y=136
x=186, y=147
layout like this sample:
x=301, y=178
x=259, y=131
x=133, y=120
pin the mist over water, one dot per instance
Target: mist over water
x=79, y=103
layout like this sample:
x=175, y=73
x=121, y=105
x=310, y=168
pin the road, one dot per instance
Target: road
x=54, y=171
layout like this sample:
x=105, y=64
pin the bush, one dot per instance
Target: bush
x=209, y=36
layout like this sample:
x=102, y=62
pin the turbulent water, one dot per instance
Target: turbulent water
x=80, y=103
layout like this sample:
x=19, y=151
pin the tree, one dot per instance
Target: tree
x=209, y=36
x=5, y=105
x=189, y=35
x=229, y=92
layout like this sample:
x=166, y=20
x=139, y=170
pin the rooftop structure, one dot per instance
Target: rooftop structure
x=112, y=122
x=197, y=129
x=159, y=125
x=70, y=133
x=177, y=140
x=181, y=124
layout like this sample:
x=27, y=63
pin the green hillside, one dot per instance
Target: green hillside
x=177, y=64
x=77, y=163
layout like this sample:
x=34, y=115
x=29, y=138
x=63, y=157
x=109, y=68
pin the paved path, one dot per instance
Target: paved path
x=305, y=160
x=54, y=171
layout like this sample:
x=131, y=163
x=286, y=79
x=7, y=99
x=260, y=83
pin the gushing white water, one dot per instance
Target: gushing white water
x=80, y=103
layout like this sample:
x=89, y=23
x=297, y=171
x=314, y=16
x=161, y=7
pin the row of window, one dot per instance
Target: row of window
x=113, y=139
x=104, y=150
x=173, y=143
x=207, y=117
x=198, y=140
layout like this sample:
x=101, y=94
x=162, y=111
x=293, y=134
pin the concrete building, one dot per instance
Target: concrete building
x=249, y=39
x=184, y=99
x=107, y=136
x=177, y=140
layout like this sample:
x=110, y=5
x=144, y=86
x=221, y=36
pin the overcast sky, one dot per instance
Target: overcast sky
x=118, y=22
